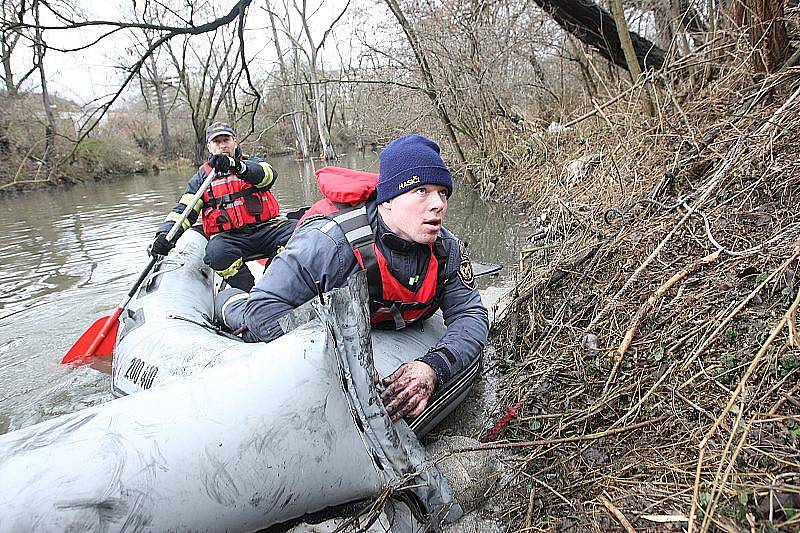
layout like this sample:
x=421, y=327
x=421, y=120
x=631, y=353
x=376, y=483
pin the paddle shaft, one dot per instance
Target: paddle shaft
x=109, y=324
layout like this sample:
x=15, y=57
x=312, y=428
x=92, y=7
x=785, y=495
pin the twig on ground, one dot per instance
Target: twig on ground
x=616, y=513
x=742, y=382
x=648, y=305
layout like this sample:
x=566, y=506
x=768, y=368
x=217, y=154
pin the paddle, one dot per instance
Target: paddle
x=99, y=339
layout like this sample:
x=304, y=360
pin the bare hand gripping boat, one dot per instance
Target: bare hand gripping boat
x=224, y=435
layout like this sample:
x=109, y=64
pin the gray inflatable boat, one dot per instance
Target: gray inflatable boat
x=216, y=434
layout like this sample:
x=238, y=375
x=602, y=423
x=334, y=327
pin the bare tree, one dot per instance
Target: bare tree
x=312, y=55
x=206, y=73
x=39, y=49
x=294, y=102
x=151, y=75
x=431, y=90
x=306, y=70
x=12, y=14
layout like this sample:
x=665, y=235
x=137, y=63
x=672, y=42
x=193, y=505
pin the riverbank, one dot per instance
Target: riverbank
x=123, y=144
x=651, y=350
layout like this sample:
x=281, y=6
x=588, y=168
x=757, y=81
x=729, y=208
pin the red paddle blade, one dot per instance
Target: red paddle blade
x=79, y=351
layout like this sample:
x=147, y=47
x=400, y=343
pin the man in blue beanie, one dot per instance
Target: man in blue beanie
x=414, y=267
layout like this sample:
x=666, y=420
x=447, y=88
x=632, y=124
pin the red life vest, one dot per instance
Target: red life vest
x=392, y=305
x=230, y=202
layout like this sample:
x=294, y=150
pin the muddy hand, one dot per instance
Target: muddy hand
x=408, y=390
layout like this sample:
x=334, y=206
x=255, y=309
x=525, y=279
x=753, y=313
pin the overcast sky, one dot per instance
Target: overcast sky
x=85, y=75
x=90, y=74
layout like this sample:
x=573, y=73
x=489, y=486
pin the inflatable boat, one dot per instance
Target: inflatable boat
x=216, y=434
x=167, y=333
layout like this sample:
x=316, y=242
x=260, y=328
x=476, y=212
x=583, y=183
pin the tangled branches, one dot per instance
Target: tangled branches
x=655, y=354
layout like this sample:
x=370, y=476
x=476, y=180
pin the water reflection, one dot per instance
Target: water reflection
x=69, y=256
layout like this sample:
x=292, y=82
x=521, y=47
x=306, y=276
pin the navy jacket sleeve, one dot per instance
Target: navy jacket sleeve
x=259, y=173
x=311, y=256
x=464, y=315
x=191, y=188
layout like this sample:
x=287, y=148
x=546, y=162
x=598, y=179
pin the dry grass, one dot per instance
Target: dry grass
x=114, y=149
x=653, y=337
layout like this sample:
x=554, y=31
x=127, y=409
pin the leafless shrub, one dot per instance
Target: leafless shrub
x=677, y=253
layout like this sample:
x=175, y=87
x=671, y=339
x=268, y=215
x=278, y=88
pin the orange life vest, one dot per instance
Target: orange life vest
x=230, y=202
x=392, y=305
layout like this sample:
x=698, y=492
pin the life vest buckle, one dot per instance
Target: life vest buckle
x=397, y=316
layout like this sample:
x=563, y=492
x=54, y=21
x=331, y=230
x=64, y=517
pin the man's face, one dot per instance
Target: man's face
x=417, y=215
x=222, y=144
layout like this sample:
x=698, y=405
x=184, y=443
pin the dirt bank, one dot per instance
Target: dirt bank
x=651, y=347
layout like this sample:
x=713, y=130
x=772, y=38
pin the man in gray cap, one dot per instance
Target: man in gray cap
x=239, y=213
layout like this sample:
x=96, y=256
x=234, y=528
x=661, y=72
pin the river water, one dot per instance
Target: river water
x=70, y=256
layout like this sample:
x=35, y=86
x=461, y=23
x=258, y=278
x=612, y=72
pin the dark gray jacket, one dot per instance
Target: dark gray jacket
x=320, y=253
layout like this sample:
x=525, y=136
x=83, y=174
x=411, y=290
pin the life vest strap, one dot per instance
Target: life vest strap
x=369, y=262
x=397, y=316
x=355, y=225
x=229, y=198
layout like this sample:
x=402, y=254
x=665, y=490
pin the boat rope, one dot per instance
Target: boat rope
x=206, y=325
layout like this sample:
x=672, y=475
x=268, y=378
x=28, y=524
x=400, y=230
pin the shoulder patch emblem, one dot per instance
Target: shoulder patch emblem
x=465, y=272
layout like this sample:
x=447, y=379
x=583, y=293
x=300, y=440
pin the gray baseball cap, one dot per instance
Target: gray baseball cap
x=217, y=129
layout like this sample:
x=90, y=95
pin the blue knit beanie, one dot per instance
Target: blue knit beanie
x=407, y=163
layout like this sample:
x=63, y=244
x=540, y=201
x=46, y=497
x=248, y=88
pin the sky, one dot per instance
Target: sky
x=90, y=74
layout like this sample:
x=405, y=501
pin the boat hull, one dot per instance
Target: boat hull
x=216, y=434
x=248, y=443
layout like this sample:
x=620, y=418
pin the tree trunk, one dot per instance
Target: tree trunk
x=431, y=90
x=166, y=139
x=301, y=100
x=301, y=144
x=764, y=21
x=595, y=26
x=158, y=85
x=9, y=39
x=662, y=18
x=580, y=57
x=630, y=54
x=679, y=23
x=320, y=110
x=8, y=73
x=322, y=123
x=50, y=120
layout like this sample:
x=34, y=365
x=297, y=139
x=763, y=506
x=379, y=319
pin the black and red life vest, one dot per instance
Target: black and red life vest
x=230, y=202
x=392, y=306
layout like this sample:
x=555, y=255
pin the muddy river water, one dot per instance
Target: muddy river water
x=68, y=257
